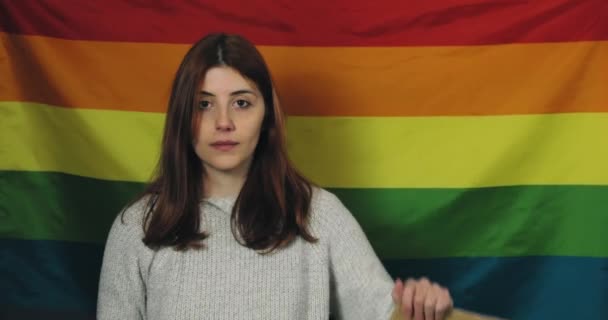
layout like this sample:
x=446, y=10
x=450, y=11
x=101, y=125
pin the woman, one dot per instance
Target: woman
x=229, y=229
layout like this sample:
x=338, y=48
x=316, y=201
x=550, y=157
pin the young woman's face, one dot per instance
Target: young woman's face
x=232, y=110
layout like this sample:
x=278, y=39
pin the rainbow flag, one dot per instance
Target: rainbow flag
x=468, y=137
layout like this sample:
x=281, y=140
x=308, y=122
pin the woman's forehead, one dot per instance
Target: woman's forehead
x=225, y=80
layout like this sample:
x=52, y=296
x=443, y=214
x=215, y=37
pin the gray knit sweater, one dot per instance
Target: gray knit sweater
x=339, y=275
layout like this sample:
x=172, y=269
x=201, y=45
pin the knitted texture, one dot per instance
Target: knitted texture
x=339, y=275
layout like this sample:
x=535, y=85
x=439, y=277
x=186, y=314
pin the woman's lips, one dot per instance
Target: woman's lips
x=224, y=145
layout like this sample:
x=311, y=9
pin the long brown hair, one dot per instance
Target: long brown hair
x=273, y=206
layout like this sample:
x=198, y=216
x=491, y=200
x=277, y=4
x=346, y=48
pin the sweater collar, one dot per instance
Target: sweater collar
x=225, y=204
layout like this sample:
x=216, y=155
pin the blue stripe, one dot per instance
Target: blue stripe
x=64, y=276
x=519, y=287
x=11, y=312
x=51, y=275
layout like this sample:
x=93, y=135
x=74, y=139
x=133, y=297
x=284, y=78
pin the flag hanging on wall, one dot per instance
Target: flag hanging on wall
x=468, y=137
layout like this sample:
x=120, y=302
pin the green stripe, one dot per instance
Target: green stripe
x=400, y=223
x=496, y=221
x=57, y=206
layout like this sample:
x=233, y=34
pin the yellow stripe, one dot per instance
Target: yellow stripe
x=367, y=152
x=103, y=144
x=333, y=81
x=452, y=151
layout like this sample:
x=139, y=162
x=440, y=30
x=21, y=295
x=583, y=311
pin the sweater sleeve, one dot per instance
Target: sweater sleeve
x=361, y=287
x=122, y=293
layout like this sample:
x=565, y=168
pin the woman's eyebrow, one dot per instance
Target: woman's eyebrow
x=242, y=92
x=234, y=93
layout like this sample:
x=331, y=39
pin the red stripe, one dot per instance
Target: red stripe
x=313, y=22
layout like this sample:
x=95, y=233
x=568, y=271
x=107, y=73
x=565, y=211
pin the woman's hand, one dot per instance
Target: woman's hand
x=422, y=299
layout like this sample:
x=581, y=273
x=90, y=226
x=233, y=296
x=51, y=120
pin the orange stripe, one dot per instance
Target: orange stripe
x=90, y=75
x=396, y=81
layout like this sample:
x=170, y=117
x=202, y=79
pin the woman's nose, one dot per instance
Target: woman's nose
x=223, y=120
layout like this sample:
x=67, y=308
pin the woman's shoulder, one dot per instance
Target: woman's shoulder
x=327, y=208
x=127, y=231
x=132, y=215
x=324, y=200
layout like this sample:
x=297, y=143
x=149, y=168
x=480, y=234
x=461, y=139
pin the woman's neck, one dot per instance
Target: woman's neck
x=219, y=184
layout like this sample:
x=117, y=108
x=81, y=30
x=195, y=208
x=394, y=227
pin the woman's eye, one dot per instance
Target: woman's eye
x=242, y=103
x=204, y=104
